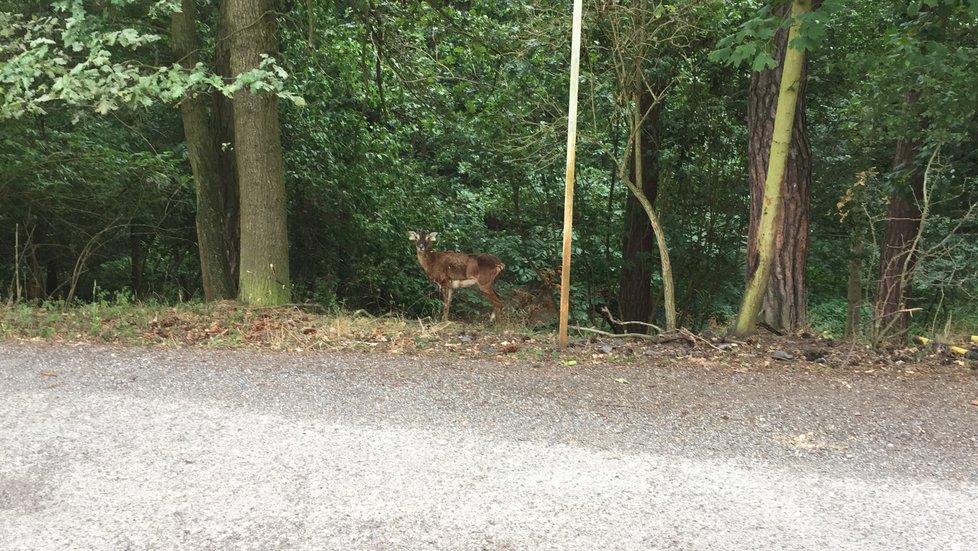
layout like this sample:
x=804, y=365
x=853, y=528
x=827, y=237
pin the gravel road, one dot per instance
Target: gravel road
x=136, y=448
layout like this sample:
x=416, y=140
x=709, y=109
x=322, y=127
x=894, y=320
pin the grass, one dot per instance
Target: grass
x=229, y=325
x=232, y=325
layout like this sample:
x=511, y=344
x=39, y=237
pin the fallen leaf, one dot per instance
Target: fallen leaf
x=622, y=380
x=569, y=363
x=974, y=402
x=49, y=374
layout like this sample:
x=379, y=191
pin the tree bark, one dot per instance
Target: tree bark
x=854, y=298
x=636, y=269
x=784, y=305
x=897, y=257
x=763, y=243
x=51, y=282
x=223, y=125
x=668, y=288
x=202, y=148
x=137, y=264
x=264, y=276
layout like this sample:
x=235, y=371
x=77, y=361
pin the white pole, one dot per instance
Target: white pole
x=569, y=183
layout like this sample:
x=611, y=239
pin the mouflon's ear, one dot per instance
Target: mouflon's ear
x=412, y=236
x=432, y=236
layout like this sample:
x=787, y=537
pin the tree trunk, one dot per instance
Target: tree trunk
x=35, y=289
x=223, y=125
x=668, y=288
x=264, y=276
x=636, y=270
x=854, y=300
x=51, y=282
x=763, y=243
x=897, y=261
x=137, y=264
x=784, y=305
x=202, y=148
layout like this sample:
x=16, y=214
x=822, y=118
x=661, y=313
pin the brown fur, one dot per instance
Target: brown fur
x=451, y=270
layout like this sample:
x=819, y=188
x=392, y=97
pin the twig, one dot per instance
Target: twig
x=695, y=337
x=852, y=350
x=614, y=335
x=900, y=311
x=612, y=319
x=658, y=339
x=767, y=327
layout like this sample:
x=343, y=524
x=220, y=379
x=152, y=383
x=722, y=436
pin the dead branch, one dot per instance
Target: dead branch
x=769, y=328
x=694, y=337
x=613, y=335
x=611, y=318
x=657, y=339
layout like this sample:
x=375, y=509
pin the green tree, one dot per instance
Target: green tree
x=264, y=272
x=203, y=149
x=784, y=305
x=929, y=88
x=771, y=202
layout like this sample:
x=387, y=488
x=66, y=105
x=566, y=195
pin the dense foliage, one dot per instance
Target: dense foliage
x=450, y=117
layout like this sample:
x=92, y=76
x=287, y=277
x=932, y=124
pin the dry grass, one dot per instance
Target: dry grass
x=230, y=325
x=297, y=328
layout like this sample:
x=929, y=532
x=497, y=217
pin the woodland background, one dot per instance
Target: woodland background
x=279, y=151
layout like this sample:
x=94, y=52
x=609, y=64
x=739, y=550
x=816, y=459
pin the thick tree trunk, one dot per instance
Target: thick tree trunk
x=784, y=305
x=763, y=242
x=223, y=125
x=668, y=288
x=897, y=261
x=264, y=277
x=202, y=148
x=636, y=270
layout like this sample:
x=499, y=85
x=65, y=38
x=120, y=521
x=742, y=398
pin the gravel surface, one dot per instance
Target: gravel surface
x=136, y=448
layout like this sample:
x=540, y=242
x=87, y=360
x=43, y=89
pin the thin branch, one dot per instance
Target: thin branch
x=613, y=335
x=612, y=319
x=695, y=337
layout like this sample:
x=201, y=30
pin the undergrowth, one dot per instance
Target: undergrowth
x=227, y=325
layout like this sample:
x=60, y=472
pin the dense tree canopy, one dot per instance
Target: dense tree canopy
x=450, y=117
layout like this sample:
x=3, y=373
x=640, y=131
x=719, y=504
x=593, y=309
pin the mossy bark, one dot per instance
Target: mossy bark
x=202, y=148
x=636, y=269
x=264, y=272
x=784, y=305
x=771, y=202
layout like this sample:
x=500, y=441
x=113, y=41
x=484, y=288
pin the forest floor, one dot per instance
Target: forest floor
x=189, y=444
x=229, y=325
x=219, y=426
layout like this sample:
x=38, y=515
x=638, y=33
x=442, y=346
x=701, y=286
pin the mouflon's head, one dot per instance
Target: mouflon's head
x=422, y=240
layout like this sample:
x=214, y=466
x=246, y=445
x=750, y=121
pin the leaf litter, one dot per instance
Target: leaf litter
x=300, y=328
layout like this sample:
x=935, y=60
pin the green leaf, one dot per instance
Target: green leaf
x=763, y=61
